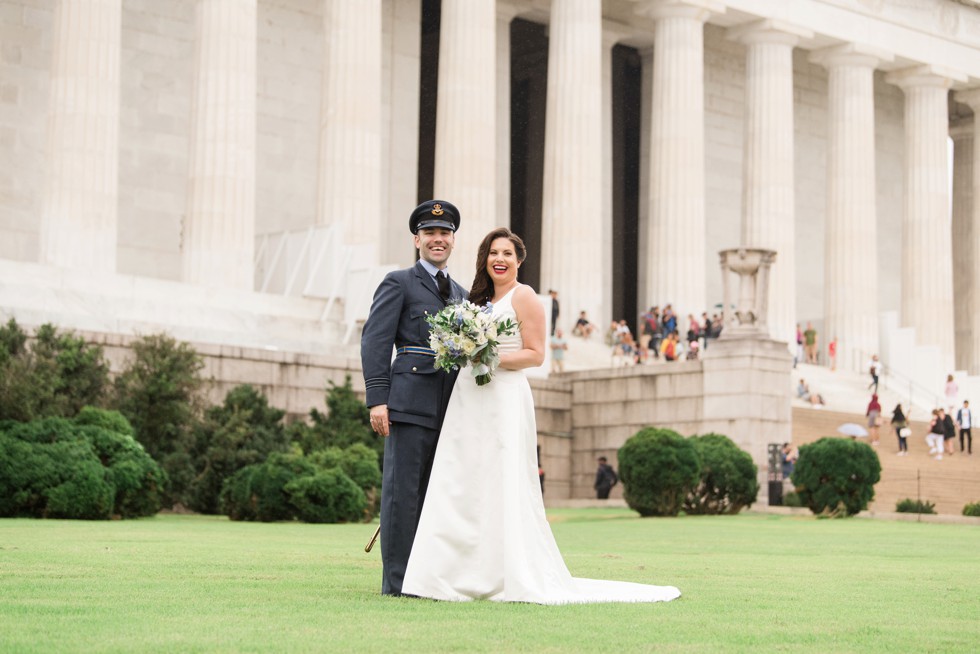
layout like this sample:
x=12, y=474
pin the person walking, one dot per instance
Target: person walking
x=605, y=479
x=407, y=396
x=949, y=433
x=934, y=439
x=874, y=369
x=873, y=414
x=964, y=418
x=901, y=425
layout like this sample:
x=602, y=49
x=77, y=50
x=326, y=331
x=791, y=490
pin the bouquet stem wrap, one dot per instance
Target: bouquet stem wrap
x=466, y=334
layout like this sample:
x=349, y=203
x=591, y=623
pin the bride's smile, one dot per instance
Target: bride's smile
x=502, y=263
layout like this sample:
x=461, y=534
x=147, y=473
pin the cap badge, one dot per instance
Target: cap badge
x=437, y=209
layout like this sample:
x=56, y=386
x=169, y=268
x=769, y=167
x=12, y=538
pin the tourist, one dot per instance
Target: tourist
x=804, y=393
x=874, y=419
x=964, y=418
x=949, y=432
x=832, y=354
x=951, y=391
x=558, y=348
x=934, y=439
x=874, y=369
x=583, y=327
x=605, y=479
x=902, y=431
x=810, y=343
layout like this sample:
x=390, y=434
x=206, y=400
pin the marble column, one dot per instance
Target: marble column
x=645, y=264
x=219, y=228
x=767, y=169
x=927, y=270
x=349, y=190
x=676, y=246
x=79, y=208
x=505, y=15
x=850, y=245
x=966, y=236
x=572, y=198
x=466, y=131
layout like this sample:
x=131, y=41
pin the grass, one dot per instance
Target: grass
x=752, y=583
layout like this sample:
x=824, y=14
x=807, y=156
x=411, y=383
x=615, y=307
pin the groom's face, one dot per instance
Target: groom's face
x=435, y=244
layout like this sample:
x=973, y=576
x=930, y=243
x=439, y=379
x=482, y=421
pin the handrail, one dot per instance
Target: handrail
x=913, y=385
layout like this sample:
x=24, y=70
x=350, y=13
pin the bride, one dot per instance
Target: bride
x=483, y=533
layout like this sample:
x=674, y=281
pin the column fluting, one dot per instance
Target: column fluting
x=349, y=190
x=676, y=234
x=79, y=210
x=768, y=162
x=571, y=260
x=219, y=228
x=466, y=132
x=850, y=245
x=927, y=270
x=966, y=226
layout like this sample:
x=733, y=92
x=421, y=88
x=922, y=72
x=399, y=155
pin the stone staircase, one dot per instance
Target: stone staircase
x=949, y=484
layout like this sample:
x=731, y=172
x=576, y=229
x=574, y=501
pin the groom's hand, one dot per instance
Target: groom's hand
x=379, y=419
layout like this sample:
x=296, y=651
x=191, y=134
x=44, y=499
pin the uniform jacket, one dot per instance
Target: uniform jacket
x=410, y=385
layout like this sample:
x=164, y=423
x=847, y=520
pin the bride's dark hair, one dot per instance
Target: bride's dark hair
x=482, y=290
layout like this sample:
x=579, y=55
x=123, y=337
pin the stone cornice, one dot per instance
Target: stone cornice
x=850, y=54
x=925, y=76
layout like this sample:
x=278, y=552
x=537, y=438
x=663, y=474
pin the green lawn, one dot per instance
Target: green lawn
x=753, y=583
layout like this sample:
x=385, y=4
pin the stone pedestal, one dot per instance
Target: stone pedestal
x=745, y=289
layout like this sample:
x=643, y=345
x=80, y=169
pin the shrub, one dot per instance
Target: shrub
x=258, y=491
x=243, y=431
x=728, y=480
x=327, y=496
x=915, y=506
x=139, y=481
x=972, y=510
x=56, y=374
x=160, y=391
x=59, y=468
x=836, y=477
x=360, y=463
x=347, y=421
x=658, y=468
x=792, y=499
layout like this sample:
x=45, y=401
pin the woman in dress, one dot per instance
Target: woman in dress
x=874, y=419
x=899, y=422
x=483, y=533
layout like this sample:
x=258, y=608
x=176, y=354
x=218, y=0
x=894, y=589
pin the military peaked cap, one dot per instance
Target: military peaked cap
x=434, y=213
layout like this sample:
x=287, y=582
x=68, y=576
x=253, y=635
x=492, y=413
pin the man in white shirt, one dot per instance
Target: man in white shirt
x=964, y=418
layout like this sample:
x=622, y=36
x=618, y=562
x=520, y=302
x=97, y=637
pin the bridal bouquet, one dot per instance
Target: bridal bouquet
x=464, y=334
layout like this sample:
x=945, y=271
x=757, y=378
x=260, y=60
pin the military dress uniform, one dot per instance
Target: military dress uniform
x=416, y=393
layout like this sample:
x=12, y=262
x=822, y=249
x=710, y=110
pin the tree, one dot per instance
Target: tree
x=658, y=468
x=346, y=422
x=835, y=476
x=242, y=431
x=161, y=393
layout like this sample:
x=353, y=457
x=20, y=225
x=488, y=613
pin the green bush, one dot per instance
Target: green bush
x=972, y=510
x=836, y=476
x=346, y=422
x=915, y=506
x=59, y=468
x=53, y=374
x=358, y=462
x=792, y=499
x=243, y=431
x=258, y=492
x=658, y=468
x=139, y=481
x=728, y=480
x=327, y=496
x=161, y=392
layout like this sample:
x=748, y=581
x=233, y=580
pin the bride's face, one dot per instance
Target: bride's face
x=502, y=261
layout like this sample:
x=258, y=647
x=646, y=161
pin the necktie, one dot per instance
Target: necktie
x=442, y=280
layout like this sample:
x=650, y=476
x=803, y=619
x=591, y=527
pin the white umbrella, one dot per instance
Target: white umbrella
x=852, y=429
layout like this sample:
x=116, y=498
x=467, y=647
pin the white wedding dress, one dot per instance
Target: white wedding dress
x=483, y=532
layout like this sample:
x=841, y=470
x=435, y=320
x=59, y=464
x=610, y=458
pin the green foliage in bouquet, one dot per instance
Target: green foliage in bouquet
x=728, y=480
x=835, y=477
x=659, y=468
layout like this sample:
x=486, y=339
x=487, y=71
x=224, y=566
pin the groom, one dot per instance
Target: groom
x=408, y=396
